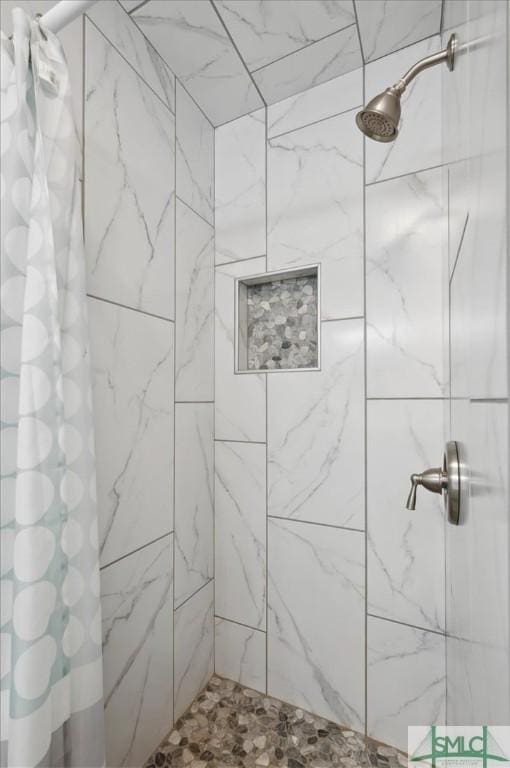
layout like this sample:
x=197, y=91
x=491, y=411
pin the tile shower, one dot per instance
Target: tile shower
x=244, y=442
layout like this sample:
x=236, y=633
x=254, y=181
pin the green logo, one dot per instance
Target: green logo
x=459, y=744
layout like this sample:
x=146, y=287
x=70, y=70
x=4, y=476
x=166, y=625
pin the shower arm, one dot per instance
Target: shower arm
x=447, y=56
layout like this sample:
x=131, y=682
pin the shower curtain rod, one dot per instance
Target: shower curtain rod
x=63, y=13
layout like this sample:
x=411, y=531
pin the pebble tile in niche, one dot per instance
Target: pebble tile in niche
x=282, y=323
x=229, y=725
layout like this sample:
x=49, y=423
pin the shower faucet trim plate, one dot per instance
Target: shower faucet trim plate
x=444, y=480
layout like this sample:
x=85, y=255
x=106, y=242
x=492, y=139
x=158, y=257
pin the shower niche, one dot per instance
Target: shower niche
x=277, y=321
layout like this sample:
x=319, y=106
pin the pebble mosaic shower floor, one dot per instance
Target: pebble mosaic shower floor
x=229, y=725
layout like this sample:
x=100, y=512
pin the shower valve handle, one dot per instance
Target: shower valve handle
x=445, y=480
x=434, y=480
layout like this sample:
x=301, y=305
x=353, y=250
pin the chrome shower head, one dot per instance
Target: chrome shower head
x=379, y=119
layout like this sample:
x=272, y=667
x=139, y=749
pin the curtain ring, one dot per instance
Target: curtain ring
x=38, y=17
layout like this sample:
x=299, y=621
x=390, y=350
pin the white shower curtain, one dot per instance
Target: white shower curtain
x=51, y=676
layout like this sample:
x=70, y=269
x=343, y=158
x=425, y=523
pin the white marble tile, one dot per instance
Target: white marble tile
x=136, y=601
x=233, y=419
x=267, y=31
x=455, y=12
x=133, y=406
x=315, y=434
x=194, y=306
x=325, y=100
x=129, y=195
x=419, y=140
x=477, y=682
x=194, y=497
x=194, y=647
x=405, y=680
x=240, y=532
x=315, y=209
x=479, y=303
x=126, y=36
x=316, y=658
x=388, y=25
x=405, y=554
x=193, y=42
x=477, y=550
x=240, y=188
x=333, y=56
x=459, y=204
x=479, y=290
x=405, y=252
x=241, y=654
x=195, y=157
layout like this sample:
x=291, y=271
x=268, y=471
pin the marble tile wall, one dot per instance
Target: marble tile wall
x=315, y=207
x=475, y=153
x=137, y=600
x=316, y=580
x=194, y=642
x=129, y=204
x=194, y=407
x=387, y=25
x=407, y=381
x=405, y=678
x=374, y=218
x=290, y=450
x=149, y=196
x=240, y=505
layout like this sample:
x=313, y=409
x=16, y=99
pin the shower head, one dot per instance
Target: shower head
x=379, y=119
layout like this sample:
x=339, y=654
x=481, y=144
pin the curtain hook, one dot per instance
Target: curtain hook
x=38, y=17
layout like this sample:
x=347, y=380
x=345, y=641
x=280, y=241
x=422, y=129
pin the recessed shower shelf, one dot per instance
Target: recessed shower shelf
x=277, y=327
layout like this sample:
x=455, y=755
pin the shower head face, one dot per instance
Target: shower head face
x=379, y=119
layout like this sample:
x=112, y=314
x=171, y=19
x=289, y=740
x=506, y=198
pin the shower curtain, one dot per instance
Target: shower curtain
x=51, y=673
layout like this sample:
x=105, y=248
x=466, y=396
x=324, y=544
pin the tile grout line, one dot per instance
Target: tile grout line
x=239, y=261
x=83, y=86
x=342, y=319
x=137, y=7
x=239, y=624
x=190, y=207
x=193, y=594
x=266, y=186
x=406, y=624
x=359, y=38
x=461, y=243
x=194, y=402
x=303, y=48
x=365, y=415
x=213, y=445
x=314, y=122
x=403, y=397
x=315, y=522
x=416, y=172
x=132, y=309
x=403, y=48
x=174, y=405
x=238, y=52
x=246, y=442
x=134, y=551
